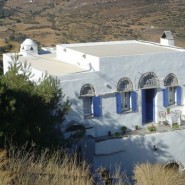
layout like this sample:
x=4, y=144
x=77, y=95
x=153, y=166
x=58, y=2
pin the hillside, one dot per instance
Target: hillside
x=66, y=21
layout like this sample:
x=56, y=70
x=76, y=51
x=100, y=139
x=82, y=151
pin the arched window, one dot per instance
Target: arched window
x=170, y=80
x=124, y=84
x=148, y=80
x=125, y=98
x=87, y=90
x=31, y=48
x=91, y=103
x=172, y=92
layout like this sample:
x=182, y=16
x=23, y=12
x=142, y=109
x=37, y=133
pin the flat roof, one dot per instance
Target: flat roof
x=120, y=48
x=48, y=63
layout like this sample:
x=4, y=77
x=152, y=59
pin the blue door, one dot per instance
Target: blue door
x=148, y=105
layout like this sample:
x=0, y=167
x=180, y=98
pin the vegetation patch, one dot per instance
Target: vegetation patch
x=175, y=125
x=116, y=134
x=151, y=128
x=31, y=113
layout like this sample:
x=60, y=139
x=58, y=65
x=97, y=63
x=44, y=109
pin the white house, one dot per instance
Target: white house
x=111, y=84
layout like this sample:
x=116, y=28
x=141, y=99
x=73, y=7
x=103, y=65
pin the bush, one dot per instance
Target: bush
x=5, y=48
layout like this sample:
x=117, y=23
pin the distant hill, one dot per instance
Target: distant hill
x=66, y=21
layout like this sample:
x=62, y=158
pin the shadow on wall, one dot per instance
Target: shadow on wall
x=130, y=151
x=103, y=124
x=125, y=152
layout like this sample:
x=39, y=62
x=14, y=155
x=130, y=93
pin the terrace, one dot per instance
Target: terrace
x=158, y=128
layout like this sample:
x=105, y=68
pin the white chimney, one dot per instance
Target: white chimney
x=167, y=39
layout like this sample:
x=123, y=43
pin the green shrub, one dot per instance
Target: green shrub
x=151, y=128
x=116, y=134
x=31, y=113
x=175, y=125
x=168, y=110
x=123, y=128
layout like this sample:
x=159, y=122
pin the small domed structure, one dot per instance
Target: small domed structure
x=29, y=47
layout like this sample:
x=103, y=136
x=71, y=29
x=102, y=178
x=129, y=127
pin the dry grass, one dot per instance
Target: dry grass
x=22, y=167
x=26, y=168
x=100, y=20
x=5, y=176
x=148, y=174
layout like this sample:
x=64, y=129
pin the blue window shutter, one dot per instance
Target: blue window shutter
x=118, y=103
x=134, y=101
x=165, y=97
x=96, y=106
x=178, y=95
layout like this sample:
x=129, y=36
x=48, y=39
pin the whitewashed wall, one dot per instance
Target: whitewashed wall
x=6, y=60
x=104, y=78
x=77, y=58
x=111, y=70
x=130, y=151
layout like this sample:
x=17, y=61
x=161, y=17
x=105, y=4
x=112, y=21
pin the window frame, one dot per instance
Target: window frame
x=171, y=95
x=124, y=88
x=87, y=107
x=87, y=92
x=171, y=85
x=126, y=100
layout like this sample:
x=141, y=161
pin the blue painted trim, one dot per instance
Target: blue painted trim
x=118, y=103
x=143, y=106
x=155, y=91
x=178, y=95
x=165, y=97
x=97, y=106
x=134, y=101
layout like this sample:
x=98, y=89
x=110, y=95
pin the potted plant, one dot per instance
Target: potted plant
x=175, y=126
x=123, y=129
x=168, y=110
x=151, y=128
x=136, y=127
x=116, y=134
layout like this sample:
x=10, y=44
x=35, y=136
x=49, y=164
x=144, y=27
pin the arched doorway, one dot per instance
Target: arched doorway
x=148, y=84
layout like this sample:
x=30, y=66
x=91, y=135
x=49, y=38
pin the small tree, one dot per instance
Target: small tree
x=31, y=112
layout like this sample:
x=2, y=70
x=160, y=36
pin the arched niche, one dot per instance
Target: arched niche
x=125, y=84
x=87, y=90
x=174, y=165
x=148, y=80
x=170, y=80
